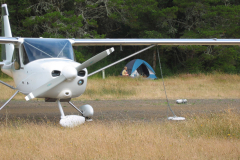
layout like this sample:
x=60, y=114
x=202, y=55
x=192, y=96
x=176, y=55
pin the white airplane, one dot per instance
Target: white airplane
x=45, y=67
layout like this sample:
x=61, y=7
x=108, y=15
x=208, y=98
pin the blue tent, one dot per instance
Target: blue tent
x=138, y=67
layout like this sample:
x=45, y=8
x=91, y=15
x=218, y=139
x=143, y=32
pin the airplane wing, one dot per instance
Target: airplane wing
x=124, y=42
x=134, y=42
x=6, y=40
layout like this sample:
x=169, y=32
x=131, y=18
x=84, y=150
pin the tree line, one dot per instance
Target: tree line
x=137, y=19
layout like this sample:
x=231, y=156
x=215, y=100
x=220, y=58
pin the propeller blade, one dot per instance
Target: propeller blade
x=95, y=59
x=44, y=88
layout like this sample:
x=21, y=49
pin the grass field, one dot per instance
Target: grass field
x=197, y=86
x=189, y=86
x=199, y=137
x=214, y=136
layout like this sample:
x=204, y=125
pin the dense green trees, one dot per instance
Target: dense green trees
x=138, y=19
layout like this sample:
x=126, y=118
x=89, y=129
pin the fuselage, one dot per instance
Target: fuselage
x=35, y=63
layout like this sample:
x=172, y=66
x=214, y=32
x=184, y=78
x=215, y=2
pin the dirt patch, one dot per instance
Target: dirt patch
x=119, y=110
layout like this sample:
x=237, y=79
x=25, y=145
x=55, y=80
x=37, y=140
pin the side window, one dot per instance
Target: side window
x=16, y=59
x=24, y=56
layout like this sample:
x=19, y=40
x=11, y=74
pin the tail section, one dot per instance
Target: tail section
x=7, y=49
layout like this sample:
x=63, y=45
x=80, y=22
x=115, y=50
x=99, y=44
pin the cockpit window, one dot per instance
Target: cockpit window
x=16, y=59
x=24, y=56
x=48, y=48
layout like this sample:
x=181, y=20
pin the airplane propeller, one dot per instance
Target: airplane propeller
x=68, y=73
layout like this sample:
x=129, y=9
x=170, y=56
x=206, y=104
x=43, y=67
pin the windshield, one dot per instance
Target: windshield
x=48, y=48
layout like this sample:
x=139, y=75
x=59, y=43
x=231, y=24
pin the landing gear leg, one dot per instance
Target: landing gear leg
x=9, y=100
x=69, y=120
x=60, y=108
x=75, y=107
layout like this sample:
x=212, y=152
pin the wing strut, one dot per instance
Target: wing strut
x=12, y=95
x=9, y=100
x=110, y=65
x=7, y=85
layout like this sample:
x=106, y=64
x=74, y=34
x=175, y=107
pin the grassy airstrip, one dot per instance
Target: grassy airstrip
x=189, y=86
x=213, y=136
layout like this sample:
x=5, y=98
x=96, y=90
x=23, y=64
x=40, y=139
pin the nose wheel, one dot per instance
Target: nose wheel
x=75, y=120
x=86, y=111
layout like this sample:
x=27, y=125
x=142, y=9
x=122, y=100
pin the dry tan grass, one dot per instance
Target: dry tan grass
x=199, y=137
x=212, y=137
x=200, y=86
x=189, y=86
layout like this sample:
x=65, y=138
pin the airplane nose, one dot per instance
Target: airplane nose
x=69, y=72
